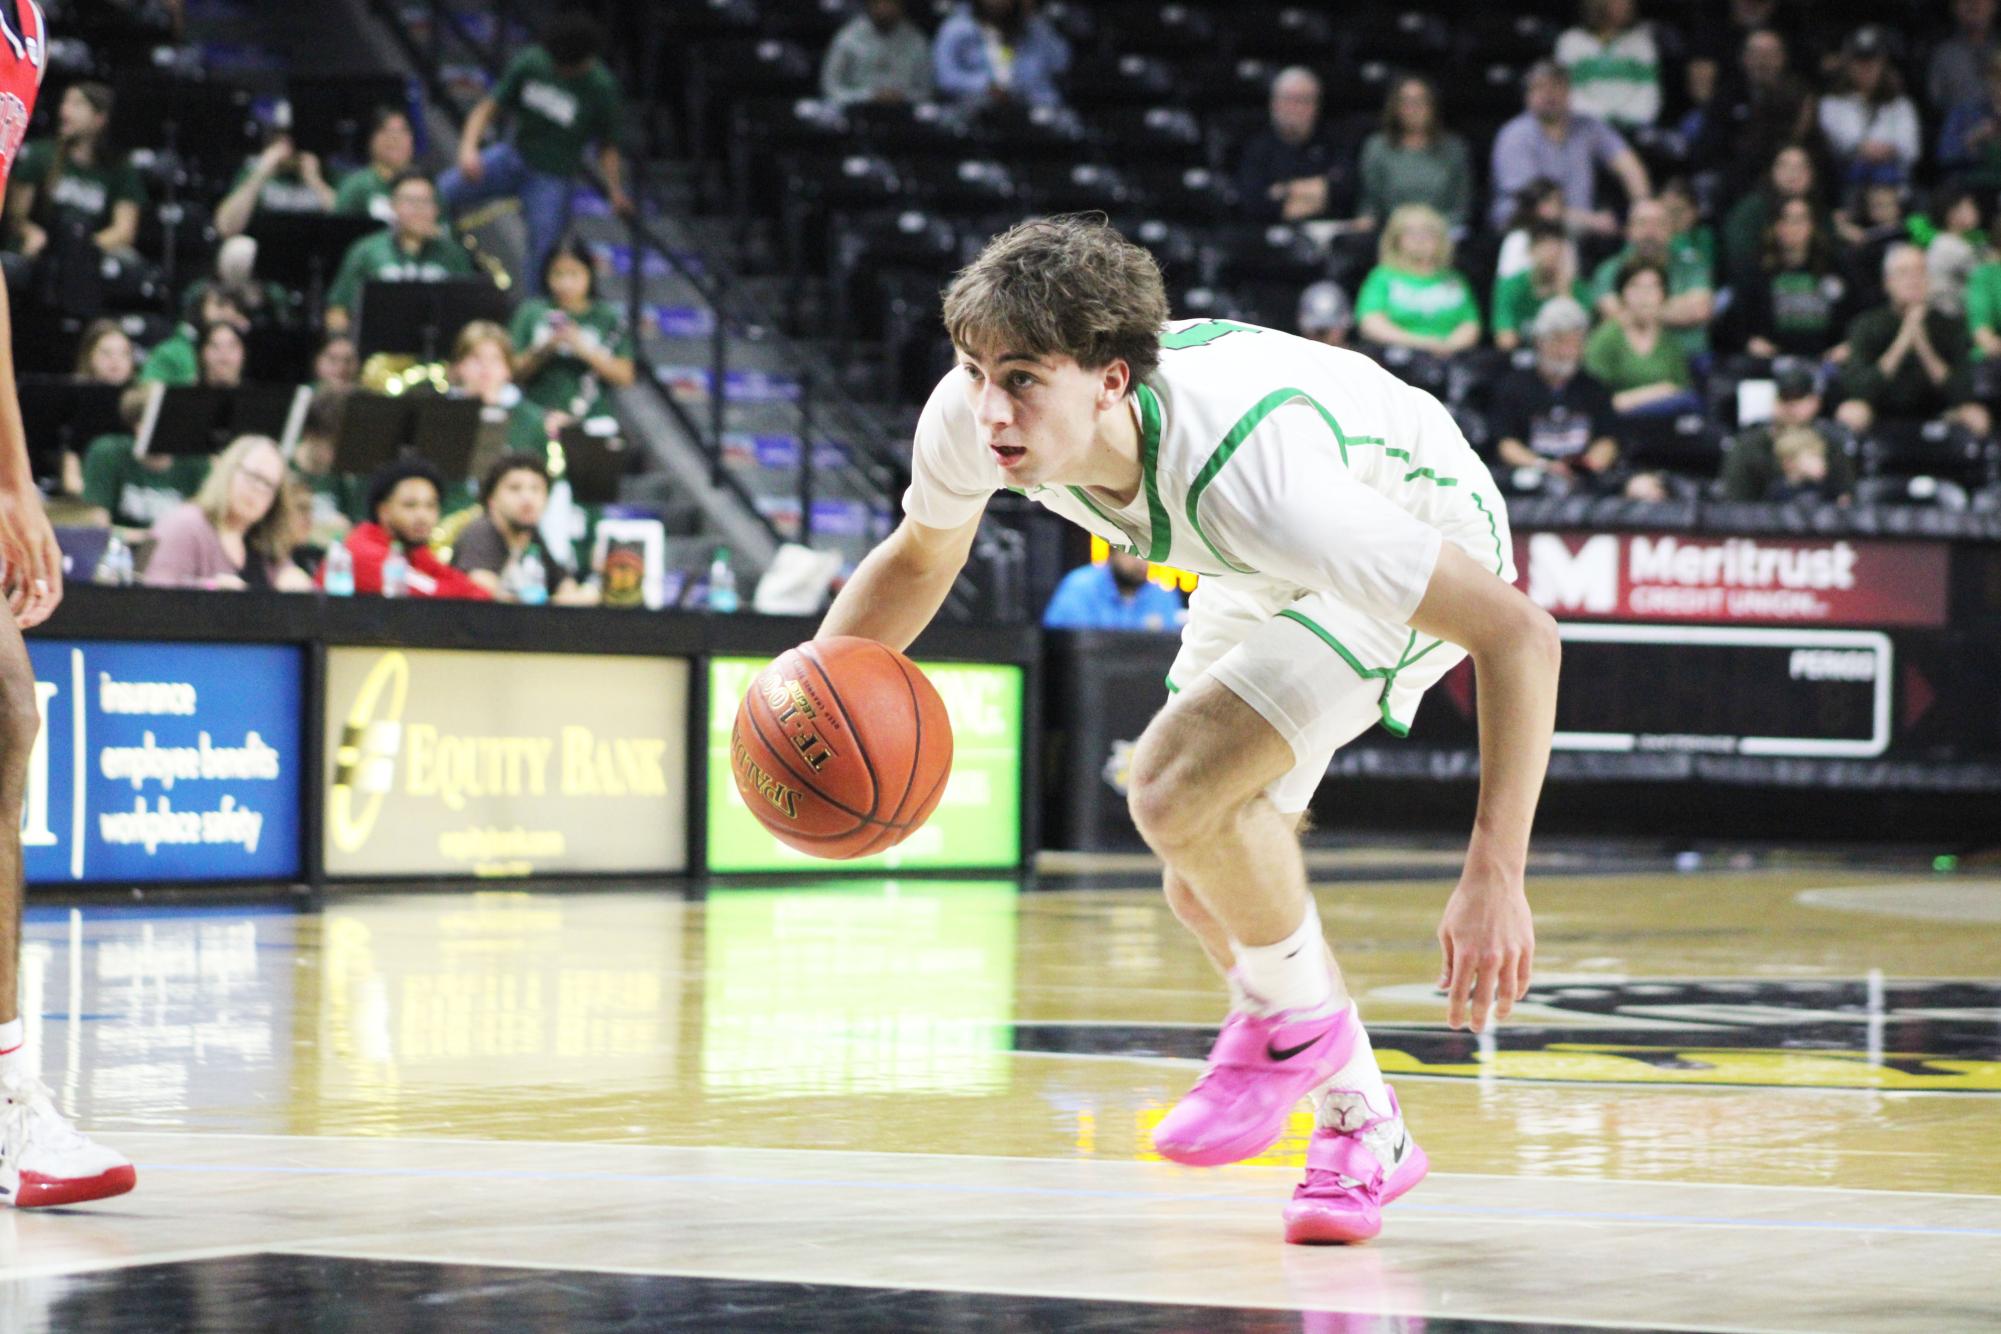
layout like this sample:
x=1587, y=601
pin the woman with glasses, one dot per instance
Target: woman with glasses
x=233, y=534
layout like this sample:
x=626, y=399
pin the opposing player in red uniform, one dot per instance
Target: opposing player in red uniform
x=43, y=1160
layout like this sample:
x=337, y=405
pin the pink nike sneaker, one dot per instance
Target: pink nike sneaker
x=1351, y=1174
x=1259, y=1069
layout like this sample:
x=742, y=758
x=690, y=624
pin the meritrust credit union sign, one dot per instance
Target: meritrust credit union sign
x=500, y=764
x=1688, y=577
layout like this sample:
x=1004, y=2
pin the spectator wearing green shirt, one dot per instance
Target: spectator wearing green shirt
x=1414, y=298
x=281, y=179
x=1797, y=302
x=76, y=181
x=1413, y=159
x=562, y=99
x=176, y=360
x=126, y=491
x=1552, y=272
x=1791, y=175
x=1691, y=300
x=412, y=250
x=1634, y=354
x=570, y=342
x=338, y=497
x=392, y=145
x=483, y=368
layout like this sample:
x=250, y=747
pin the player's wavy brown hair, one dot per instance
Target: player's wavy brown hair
x=1066, y=286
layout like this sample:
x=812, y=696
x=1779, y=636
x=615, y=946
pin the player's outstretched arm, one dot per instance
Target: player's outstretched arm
x=899, y=586
x=33, y=563
x=1487, y=936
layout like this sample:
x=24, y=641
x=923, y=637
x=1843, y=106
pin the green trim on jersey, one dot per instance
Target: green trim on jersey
x=1172, y=688
x=1159, y=530
x=1492, y=530
x=1387, y=675
x=1203, y=334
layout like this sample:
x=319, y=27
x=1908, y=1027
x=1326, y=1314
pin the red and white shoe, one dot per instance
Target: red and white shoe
x=1351, y=1173
x=44, y=1160
x=1259, y=1069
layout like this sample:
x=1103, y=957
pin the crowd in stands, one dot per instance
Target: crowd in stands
x=1618, y=288
x=137, y=272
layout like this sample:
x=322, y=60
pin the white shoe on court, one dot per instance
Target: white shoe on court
x=44, y=1160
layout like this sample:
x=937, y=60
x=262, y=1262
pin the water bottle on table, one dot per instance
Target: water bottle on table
x=531, y=580
x=722, y=583
x=338, y=576
x=396, y=573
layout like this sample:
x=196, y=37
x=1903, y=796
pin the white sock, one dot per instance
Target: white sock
x=1292, y=974
x=13, y=1049
x=1333, y=1107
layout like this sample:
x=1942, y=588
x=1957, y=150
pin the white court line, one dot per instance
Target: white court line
x=1087, y=1295
x=1238, y=1169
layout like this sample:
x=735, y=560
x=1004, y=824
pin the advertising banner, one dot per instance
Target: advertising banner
x=504, y=764
x=164, y=762
x=1686, y=577
x=978, y=820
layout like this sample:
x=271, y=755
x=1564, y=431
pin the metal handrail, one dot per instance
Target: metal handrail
x=429, y=61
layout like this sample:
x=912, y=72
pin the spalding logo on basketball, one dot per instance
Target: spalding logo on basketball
x=841, y=747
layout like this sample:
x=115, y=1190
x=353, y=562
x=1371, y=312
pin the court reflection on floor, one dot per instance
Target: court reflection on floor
x=965, y=1017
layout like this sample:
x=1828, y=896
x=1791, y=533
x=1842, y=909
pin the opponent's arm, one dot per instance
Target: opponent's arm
x=899, y=586
x=1487, y=937
x=33, y=563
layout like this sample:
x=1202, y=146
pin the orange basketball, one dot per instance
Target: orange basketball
x=841, y=747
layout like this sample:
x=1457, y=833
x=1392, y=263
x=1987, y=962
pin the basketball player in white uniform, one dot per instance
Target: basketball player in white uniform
x=1352, y=549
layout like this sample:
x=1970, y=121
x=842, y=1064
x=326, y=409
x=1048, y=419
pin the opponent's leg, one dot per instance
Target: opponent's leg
x=43, y=1160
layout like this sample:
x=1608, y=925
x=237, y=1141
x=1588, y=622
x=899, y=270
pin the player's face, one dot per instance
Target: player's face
x=1037, y=415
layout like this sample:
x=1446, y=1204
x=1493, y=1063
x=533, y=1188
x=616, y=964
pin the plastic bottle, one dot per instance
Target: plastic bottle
x=338, y=574
x=115, y=567
x=531, y=580
x=722, y=583
x=395, y=572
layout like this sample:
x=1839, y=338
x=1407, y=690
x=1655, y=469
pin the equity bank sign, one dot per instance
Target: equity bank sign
x=445, y=763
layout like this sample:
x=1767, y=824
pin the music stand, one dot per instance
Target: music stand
x=303, y=251
x=420, y=319
x=592, y=465
x=61, y=413
x=376, y=429
x=195, y=421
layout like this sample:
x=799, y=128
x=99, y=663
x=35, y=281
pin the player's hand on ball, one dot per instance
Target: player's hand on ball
x=1488, y=940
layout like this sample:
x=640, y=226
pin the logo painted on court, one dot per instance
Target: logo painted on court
x=1835, y=1033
